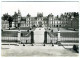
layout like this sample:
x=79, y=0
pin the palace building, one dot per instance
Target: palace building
x=41, y=21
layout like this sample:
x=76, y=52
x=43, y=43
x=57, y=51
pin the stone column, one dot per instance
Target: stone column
x=13, y=25
x=58, y=36
x=19, y=36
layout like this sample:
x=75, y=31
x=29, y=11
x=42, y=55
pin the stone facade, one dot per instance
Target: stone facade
x=50, y=20
x=40, y=20
x=64, y=20
x=28, y=20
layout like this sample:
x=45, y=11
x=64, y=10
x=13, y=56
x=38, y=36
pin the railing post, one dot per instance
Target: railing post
x=19, y=36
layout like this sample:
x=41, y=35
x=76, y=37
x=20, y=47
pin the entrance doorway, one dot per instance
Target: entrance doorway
x=39, y=35
x=40, y=24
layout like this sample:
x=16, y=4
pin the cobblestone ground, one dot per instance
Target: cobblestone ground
x=36, y=50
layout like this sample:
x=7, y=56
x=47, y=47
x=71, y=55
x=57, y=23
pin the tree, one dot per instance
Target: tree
x=5, y=16
x=75, y=21
x=10, y=19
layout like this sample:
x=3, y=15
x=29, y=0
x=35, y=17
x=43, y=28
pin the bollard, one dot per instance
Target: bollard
x=32, y=44
x=44, y=44
x=23, y=44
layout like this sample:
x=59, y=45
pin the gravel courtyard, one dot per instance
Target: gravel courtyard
x=36, y=50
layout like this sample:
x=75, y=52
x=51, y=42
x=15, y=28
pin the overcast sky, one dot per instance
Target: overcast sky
x=32, y=8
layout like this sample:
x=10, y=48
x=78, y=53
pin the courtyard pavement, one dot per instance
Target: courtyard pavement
x=37, y=50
